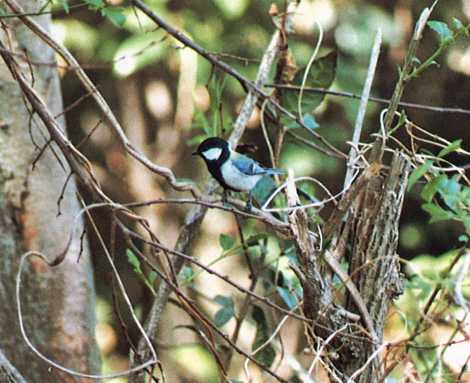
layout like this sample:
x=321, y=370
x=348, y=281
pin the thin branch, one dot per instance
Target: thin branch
x=193, y=311
x=246, y=83
x=101, y=102
x=40, y=13
x=9, y=369
x=195, y=216
x=193, y=260
x=379, y=146
x=385, y=101
x=58, y=366
x=374, y=57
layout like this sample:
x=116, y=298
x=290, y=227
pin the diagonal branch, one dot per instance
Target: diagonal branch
x=101, y=102
x=7, y=368
x=337, y=93
x=374, y=57
x=253, y=87
x=195, y=216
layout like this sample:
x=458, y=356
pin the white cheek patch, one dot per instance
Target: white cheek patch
x=212, y=154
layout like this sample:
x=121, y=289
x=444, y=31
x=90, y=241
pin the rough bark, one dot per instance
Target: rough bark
x=373, y=262
x=364, y=229
x=58, y=304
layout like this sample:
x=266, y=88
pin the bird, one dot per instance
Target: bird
x=232, y=170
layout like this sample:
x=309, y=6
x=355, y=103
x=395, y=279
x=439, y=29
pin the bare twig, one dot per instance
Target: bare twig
x=58, y=366
x=463, y=272
x=374, y=57
x=254, y=87
x=193, y=311
x=40, y=13
x=9, y=369
x=195, y=216
x=101, y=102
x=379, y=145
x=412, y=105
x=193, y=260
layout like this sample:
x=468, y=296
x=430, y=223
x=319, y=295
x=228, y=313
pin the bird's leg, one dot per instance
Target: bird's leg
x=225, y=198
x=249, y=203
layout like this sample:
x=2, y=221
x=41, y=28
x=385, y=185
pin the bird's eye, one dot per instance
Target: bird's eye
x=212, y=154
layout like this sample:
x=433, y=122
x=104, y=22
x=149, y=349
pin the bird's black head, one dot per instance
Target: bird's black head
x=213, y=150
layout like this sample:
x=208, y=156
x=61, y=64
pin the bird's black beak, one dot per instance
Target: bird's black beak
x=195, y=153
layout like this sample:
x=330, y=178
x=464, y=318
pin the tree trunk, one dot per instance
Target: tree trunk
x=58, y=304
x=364, y=229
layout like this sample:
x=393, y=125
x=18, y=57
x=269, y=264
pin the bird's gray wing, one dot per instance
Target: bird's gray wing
x=252, y=168
x=247, y=166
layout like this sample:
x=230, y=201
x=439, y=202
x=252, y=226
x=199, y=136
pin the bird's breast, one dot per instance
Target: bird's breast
x=236, y=179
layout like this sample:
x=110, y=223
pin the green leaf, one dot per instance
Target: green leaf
x=310, y=121
x=134, y=261
x=227, y=311
x=322, y=74
x=449, y=190
x=267, y=354
x=226, y=241
x=152, y=277
x=263, y=189
x=289, y=299
x=224, y=301
x=65, y=5
x=445, y=34
x=222, y=316
x=431, y=188
x=457, y=24
x=115, y=15
x=452, y=147
x=289, y=123
x=95, y=4
x=437, y=213
x=418, y=173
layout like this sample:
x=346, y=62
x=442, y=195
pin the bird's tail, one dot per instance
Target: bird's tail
x=274, y=171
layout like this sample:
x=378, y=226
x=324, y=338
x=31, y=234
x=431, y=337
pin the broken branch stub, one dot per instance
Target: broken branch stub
x=363, y=229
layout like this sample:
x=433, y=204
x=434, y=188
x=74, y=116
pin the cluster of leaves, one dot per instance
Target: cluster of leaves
x=218, y=122
x=444, y=196
x=114, y=14
x=447, y=36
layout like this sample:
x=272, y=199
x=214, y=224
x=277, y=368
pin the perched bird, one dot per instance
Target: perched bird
x=232, y=170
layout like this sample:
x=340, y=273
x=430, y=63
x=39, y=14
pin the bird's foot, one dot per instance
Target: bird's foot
x=225, y=199
x=249, y=204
